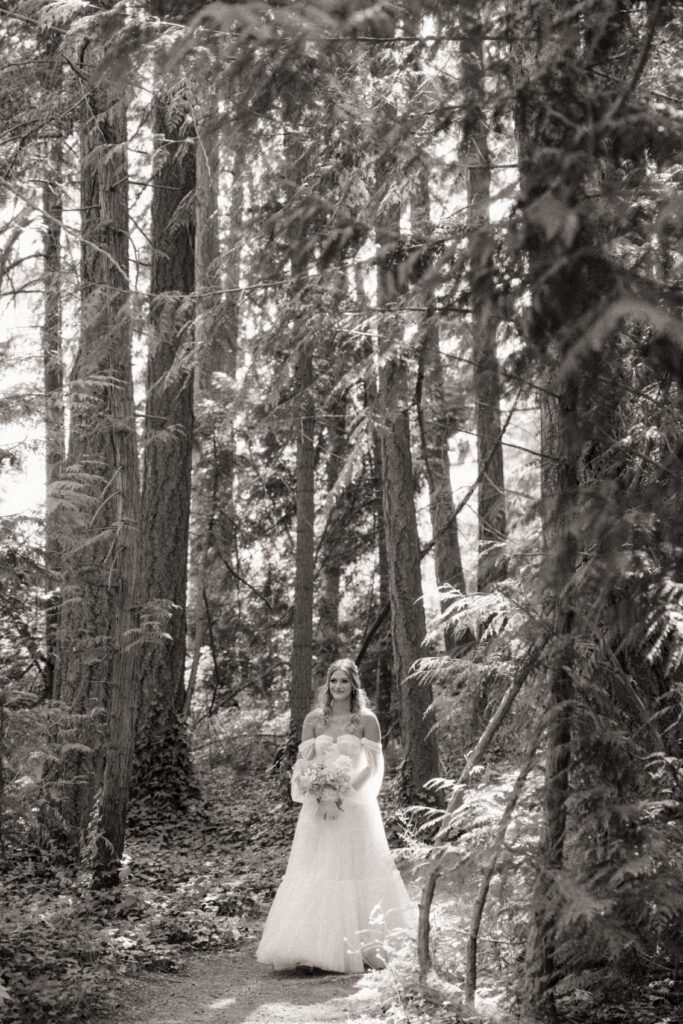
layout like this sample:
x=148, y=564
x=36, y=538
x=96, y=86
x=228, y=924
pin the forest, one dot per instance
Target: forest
x=338, y=328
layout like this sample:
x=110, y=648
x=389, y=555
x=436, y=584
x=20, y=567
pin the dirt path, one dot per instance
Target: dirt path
x=232, y=988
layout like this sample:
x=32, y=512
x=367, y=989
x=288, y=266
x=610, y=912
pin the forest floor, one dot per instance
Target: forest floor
x=193, y=948
x=210, y=985
x=176, y=943
x=233, y=988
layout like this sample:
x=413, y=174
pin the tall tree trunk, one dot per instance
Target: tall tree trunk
x=217, y=351
x=400, y=523
x=475, y=154
x=227, y=522
x=210, y=339
x=233, y=268
x=571, y=283
x=549, y=406
x=53, y=383
x=562, y=554
x=561, y=307
x=301, y=667
x=437, y=423
x=96, y=667
x=384, y=676
x=331, y=556
x=302, y=640
x=332, y=552
x=118, y=768
x=163, y=768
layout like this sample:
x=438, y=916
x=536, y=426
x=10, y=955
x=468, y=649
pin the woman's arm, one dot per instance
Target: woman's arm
x=306, y=752
x=370, y=727
x=310, y=722
x=371, y=733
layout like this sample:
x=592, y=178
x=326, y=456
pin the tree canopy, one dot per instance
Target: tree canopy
x=344, y=329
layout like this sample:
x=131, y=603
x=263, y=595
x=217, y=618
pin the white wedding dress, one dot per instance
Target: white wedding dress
x=341, y=895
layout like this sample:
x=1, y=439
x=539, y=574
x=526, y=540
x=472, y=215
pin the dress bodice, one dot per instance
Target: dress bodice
x=348, y=744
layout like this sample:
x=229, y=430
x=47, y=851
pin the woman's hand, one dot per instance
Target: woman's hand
x=329, y=810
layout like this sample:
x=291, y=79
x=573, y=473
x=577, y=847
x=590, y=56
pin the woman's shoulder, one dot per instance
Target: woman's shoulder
x=368, y=720
x=311, y=722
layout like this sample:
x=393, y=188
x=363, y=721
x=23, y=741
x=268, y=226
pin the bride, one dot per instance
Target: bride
x=341, y=894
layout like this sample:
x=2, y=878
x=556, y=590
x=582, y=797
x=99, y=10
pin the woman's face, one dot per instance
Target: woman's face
x=340, y=684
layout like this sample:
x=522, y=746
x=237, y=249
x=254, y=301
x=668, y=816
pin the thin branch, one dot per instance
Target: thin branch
x=31, y=21
x=65, y=227
x=480, y=903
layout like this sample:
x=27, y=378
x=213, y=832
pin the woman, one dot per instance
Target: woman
x=341, y=894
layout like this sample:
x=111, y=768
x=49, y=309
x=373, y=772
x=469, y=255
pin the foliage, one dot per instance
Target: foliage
x=307, y=138
x=199, y=882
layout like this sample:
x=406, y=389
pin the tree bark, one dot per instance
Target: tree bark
x=475, y=154
x=437, y=423
x=302, y=639
x=549, y=425
x=541, y=967
x=559, y=309
x=163, y=769
x=210, y=339
x=405, y=586
x=384, y=675
x=384, y=691
x=301, y=665
x=96, y=662
x=217, y=352
x=116, y=784
x=400, y=523
x=331, y=556
x=53, y=383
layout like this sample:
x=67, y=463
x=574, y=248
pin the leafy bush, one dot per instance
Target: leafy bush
x=54, y=963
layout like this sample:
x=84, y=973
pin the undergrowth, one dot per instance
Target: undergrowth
x=199, y=882
x=203, y=883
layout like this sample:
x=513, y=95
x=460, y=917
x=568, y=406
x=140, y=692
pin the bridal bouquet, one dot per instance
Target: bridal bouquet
x=326, y=780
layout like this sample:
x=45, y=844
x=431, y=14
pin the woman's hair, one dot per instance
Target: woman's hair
x=359, y=698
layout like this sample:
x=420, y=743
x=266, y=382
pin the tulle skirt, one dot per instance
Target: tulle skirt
x=341, y=899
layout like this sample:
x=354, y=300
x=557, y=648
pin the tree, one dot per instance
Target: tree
x=53, y=375
x=163, y=767
x=97, y=654
x=331, y=555
x=437, y=422
x=384, y=670
x=215, y=527
x=400, y=525
x=574, y=281
x=476, y=156
x=302, y=633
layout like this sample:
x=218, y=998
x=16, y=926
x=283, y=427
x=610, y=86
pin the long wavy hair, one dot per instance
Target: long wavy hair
x=359, y=698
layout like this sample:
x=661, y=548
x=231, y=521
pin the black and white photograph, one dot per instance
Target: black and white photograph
x=341, y=512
